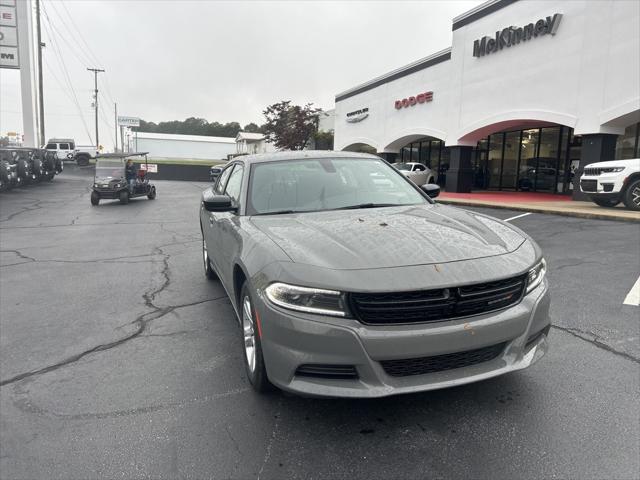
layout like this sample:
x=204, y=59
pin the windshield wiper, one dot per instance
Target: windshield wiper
x=278, y=212
x=367, y=205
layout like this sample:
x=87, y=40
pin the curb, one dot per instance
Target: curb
x=543, y=210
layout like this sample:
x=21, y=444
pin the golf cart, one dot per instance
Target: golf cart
x=110, y=181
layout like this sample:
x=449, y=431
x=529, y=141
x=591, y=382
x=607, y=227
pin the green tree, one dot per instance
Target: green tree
x=290, y=127
x=323, y=140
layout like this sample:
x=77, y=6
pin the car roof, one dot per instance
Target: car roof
x=300, y=154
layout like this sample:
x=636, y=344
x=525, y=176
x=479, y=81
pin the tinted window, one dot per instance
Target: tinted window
x=51, y=146
x=222, y=180
x=234, y=183
x=325, y=184
x=64, y=146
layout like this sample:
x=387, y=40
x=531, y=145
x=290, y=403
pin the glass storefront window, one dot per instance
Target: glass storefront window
x=563, y=178
x=443, y=165
x=548, y=159
x=424, y=154
x=494, y=163
x=528, y=159
x=627, y=144
x=510, y=162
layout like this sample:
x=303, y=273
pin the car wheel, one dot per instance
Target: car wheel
x=50, y=176
x=252, y=344
x=606, y=202
x=152, y=193
x=95, y=198
x=632, y=195
x=208, y=271
x=124, y=197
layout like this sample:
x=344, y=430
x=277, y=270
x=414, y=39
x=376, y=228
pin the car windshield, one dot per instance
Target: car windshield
x=327, y=184
x=108, y=169
x=403, y=166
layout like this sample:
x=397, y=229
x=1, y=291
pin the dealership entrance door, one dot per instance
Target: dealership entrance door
x=532, y=160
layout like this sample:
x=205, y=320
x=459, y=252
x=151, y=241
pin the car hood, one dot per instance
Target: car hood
x=388, y=237
x=629, y=163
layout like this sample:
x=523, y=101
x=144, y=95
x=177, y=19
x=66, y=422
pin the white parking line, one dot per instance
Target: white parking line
x=517, y=216
x=633, y=297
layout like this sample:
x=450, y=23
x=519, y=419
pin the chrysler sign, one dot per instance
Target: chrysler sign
x=514, y=35
x=358, y=115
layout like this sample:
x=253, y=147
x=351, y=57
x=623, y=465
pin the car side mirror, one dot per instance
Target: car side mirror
x=217, y=203
x=431, y=189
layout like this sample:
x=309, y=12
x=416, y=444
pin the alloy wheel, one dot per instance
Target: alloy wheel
x=249, y=334
x=635, y=196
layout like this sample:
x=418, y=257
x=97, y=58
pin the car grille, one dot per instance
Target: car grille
x=436, y=305
x=589, y=185
x=439, y=363
x=594, y=172
x=344, y=372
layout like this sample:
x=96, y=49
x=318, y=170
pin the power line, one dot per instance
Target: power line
x=93, y=58
x=56, y=50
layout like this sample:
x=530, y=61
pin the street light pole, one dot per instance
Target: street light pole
x=40, y=89
x=95, y=79
x=115, y=108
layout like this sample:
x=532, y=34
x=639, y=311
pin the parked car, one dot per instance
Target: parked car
x=416, y=172
x=110, y=181
x=23, y=165
x=214, y=172
x=609, y=183
x=66, y=149
x=346, y=287
x=544, y=180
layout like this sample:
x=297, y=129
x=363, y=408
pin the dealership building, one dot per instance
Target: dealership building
x=528, y=93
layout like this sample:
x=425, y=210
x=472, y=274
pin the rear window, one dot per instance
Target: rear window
x=51, y=146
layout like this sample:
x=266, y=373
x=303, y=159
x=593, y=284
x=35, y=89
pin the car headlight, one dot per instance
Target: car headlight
x=536, y=274
x=310, y=300
x=616, y=169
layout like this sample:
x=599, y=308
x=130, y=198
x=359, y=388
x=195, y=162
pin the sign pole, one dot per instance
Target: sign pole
x=115, y=108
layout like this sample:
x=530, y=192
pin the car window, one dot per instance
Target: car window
x=419, y=168
x=222, y=180
x=235, y=182
x=72, y=146
x=326, y=184
x=51, y=146
x=64, y=146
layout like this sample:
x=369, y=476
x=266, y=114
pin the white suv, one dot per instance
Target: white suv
x=609, y=183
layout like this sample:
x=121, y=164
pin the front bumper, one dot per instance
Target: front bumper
x=602, y=186
x=291, y=339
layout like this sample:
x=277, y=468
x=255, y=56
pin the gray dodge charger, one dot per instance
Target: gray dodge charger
x=348, y=280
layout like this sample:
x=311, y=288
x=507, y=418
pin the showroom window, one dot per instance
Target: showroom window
x=627, y=143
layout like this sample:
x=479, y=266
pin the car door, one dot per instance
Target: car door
x=207, y=219
x=227, y=225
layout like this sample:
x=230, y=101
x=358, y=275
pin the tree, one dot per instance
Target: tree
x=252, y=128
x=290, y=127
x=323, y=140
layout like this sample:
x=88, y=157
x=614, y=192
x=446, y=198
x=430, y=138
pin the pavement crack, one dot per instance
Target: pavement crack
x=274, y=433
x=19, y=254
x=594, y=340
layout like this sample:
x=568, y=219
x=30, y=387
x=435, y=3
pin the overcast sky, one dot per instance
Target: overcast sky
x=223, y=61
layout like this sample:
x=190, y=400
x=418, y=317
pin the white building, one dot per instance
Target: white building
x=168, y=146
x=249, y=143
x=528, y=93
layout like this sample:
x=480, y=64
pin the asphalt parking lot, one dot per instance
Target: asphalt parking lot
x=119, y=359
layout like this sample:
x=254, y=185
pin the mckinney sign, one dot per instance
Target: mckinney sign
x=514, y=35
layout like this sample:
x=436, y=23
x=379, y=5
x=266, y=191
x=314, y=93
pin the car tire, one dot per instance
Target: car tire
x=632, y=195
x=82, y=160
x=252, y=343
x=124, y=197
x=95, y=198
x=208, y=270
x=50, y=176
x=152, y=193
x=606, y=202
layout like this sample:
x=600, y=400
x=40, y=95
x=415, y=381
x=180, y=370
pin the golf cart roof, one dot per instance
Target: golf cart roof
x=121, y=155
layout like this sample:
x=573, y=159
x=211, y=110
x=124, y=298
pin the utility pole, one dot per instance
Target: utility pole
x=40, y=88
x=95, y=78
x=115, y=109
